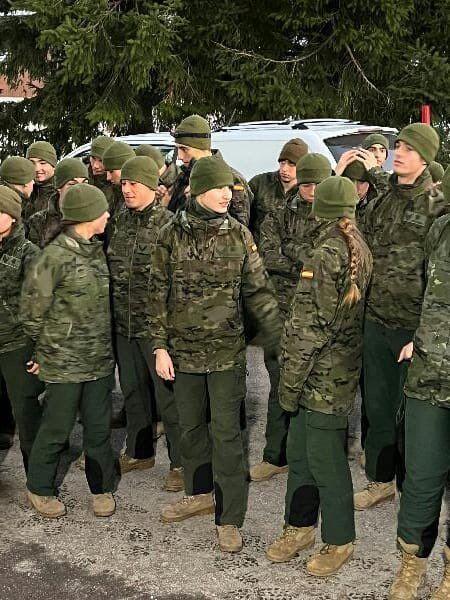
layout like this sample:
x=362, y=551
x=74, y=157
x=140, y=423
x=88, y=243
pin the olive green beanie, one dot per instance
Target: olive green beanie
x=141, y=169
x=116, y=156
x=10, y=202
x=83, y=203
x=423, y=138
x=445, y=184
x=210, y=173
x=43, y=151
x=313, y=168
x=376, y=138
x=436, y=171
x=356, y=171
x=335, y=197
x=195, y=132
x=18, y=170
x=293, y=150
x=100, y=144
x=151, y=152
x=68, y=169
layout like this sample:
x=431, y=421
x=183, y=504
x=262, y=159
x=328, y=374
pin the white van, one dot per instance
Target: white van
x=253, y=147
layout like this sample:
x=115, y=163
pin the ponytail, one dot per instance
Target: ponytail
x=349, y=232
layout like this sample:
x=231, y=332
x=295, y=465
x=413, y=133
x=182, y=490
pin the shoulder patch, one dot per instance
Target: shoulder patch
x=307, y=274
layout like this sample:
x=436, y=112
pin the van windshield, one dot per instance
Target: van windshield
x=340, y=144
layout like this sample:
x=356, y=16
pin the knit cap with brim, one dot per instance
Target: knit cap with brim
x=193, y=131
x=99, y=145
x=141, y=169
x=209, y=173
x=376, y=138
x=68, y=169
x=445, y=184
x=293, y=150
x=151, y=152
x=18, y=170
x=335, y=197
x=423, y=138
x=43, y=151
x=83, y=203
x=436, y=171
x=117, y=155
x=356, y=171
x=313, y=168
x=10, y=202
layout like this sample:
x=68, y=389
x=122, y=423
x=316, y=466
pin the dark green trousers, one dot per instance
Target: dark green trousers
x=384, y=379
x=212, y=450
x=7, y=423
x=62, y=403
x=427, y=434
x=319, y=476
x=23, y=390
x=277, y=424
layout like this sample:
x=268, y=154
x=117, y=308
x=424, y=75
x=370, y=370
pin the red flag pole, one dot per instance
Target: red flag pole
x=425, y=114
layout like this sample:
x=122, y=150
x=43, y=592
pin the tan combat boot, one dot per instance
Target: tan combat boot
x=189, y=506
x=47, y=506
x=330, y=559
x=290, y=543
x=374, y=493
x=104, y=504
x=174, y=481
x=443, y=591
x=127, y=463
x=230, y=538
x=264, y=471
x=410, y=579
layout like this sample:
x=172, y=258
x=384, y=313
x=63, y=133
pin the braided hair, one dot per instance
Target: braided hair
x=352, y=238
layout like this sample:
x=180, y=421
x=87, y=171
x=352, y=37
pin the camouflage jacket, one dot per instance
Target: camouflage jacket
x=322, y=340
x=39, y=199
x=205, y=275
x=114, y=197
x=43, y=225
x=397, y=222
x=429, y=373
x=280, y=241
x=65, y=310
x=132, y=238
x=16, y=254
x=240, y=201
x=99, y=181
x=268, y=196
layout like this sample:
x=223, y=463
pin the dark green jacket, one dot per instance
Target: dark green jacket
x=206, y=273
x=39, y=199
x=44, y=225
x=132, y=238
x=65, y=310
x=322, y=340
x=16, y=254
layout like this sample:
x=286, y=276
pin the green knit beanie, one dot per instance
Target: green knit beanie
x=10, y=202
x=210, y=173
x=83, y=203
x=436, y=171
x=18, y=170
x=423, y=138
x=68, y=169
x=356, y=171
x=376, y=138
x=195, y=132
x=151, y=152
x=293, y=150
x=445, y=184
x=100, y=144
x=335, y=197
x=116, y=156
x=43, y=151
x=313, y=168
x=141, y=169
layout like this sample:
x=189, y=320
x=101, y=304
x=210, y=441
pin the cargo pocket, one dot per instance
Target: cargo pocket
x=318, y=420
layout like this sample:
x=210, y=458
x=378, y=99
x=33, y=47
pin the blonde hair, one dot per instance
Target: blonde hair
x=351, y=236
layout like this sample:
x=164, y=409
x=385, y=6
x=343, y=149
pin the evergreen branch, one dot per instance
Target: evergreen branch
x=363, y=75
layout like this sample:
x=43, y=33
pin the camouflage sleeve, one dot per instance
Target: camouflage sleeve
x=434, y=235
x=271, y=247
x=34, y=228
x=378, y=178
x=314, y=308
x=32, y=251
x=241, y=199
x=159, y=290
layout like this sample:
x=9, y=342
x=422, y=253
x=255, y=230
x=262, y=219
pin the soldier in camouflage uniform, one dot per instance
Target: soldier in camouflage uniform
x=97, y=173
x=321, y=352
x=43, y=155
x=65, y=311
x=397, y=222
x=271, y=190
x=114, y=157
x=18, y=173
x=44, y=225
x=193, y=142
x=281, y=241
x=436, y=171
x=427, y=423
x=205, y=273
x=23, y=389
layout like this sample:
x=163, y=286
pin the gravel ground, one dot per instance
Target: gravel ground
x=134, y=556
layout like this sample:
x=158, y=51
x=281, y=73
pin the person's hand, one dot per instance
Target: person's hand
x=406, y=352
x=187, y=192
x=32, y=367
x=164, y=365
x=346, y=159
x=162, y=194
x=367, y=158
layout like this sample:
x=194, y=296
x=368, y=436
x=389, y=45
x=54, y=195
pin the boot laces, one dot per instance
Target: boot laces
x=327, y=549
x=409, y=567
x=187, y=499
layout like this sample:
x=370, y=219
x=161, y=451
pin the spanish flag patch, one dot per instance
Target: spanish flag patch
x=238, y=187
x=307, y=274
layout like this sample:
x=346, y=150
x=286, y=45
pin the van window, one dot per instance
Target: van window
x=340, y=144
